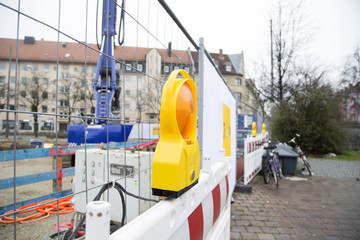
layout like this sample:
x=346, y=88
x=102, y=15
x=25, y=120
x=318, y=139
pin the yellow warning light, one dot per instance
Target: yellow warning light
x=253, y=131
x=263, y=128
x=176, y=163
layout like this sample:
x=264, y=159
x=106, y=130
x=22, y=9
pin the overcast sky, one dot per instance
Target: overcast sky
x=231, y=25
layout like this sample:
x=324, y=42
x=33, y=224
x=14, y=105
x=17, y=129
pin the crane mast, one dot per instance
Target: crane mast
x=105, y=83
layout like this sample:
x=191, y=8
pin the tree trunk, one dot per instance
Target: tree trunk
x=36, y=126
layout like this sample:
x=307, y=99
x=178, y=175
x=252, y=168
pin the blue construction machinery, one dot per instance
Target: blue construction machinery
x=106, y=87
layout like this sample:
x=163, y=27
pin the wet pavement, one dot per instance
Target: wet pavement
x=319, y=208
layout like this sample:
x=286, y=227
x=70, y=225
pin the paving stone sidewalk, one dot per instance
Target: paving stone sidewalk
x=319, y=208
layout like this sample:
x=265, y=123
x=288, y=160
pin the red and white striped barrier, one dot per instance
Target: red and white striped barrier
x=203, y=212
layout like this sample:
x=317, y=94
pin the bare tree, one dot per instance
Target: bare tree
x=148, y=100
x=3, y=90
x=289, y=33
x=35, y=92
x=73, y=93
x=351, y=71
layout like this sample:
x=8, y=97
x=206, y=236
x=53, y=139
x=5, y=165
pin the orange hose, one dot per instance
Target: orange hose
x=62, y=206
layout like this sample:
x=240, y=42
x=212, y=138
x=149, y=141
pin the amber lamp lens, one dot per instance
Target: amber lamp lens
x=185, y=111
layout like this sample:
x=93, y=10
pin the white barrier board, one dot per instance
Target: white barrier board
x=253, y=152
x=216, y=95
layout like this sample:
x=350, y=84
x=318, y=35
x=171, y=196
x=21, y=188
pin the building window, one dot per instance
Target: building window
x=63, y=115
x=139, y=67
x=46, y=67
x=12, y=93
x=47, y=125
x=22, y=107
x=228, y=68
x=94, y=70
x=35, y=81
x=23, y=94
x=127, y=106
x=13, y=66
x=45, y=95
x=128, y=79
x=127, y=92
x=24, y=66
x=44, y=109
x=9, y=123
x=187, y=69
x=65, y=75
x=2, y=65
x=12, y=80
x=63, y=103
x=64, y=89
x=2, y=93
x=238, y=95
x=46, y=82
x=237, y=81
x=24, y=80
x=25, y=125
x=83, y=69
x=65, y=66
x=35, y=67
x=126, y=120
x=166, y=69
x=128, y=67
x=139, y=79
x=2, y=79
x=176, y=67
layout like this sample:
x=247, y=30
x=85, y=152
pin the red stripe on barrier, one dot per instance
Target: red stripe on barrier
x=196, y=223
x=216, y=202
x=227, y=187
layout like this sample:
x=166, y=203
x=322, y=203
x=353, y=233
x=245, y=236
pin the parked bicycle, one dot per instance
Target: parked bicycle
x=271, y=165
x=302, y=155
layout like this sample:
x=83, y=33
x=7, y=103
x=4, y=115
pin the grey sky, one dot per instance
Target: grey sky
x=231, y=25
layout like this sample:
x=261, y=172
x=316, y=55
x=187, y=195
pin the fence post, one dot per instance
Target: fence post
x=57, y=174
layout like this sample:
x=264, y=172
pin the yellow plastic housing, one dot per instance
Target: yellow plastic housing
x=263, y=128
x=253, y=131
x=176, y=163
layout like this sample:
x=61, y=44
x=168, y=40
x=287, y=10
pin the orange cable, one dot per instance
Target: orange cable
x=62, y=206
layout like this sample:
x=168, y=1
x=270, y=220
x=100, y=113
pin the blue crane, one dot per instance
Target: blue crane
x=106, y=87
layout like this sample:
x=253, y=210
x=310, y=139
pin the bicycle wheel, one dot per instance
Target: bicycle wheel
x=307, y=165
x=275, y=175
x=266, y=172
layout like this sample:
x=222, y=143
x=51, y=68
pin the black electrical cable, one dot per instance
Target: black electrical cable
x=133, y=195
x=122, y=23
x=97, y=198
x=120, y=189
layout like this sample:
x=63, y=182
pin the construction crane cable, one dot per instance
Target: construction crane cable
x=122, y=24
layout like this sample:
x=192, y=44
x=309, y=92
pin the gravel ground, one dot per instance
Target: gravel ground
x=334, y=168
x=37, y=230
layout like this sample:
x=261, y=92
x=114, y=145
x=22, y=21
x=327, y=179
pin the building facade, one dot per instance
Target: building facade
x=52, y=80
x=351, y=103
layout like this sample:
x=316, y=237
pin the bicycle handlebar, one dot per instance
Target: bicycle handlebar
x=271, y=147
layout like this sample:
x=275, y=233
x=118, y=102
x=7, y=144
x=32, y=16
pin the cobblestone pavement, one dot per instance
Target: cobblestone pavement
x=319, y=208
x=335, y=168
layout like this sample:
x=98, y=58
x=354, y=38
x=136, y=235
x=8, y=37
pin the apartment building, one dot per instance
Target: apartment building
x=56, y=80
